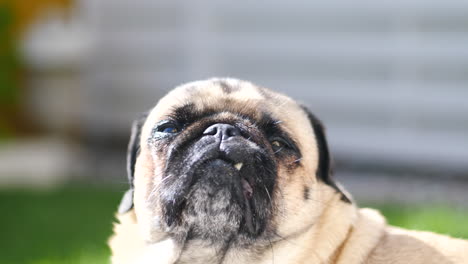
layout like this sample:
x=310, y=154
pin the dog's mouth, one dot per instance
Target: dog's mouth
x=243, y=186
x=220, y=192
x=234, y=169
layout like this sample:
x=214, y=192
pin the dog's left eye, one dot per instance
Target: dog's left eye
x=278, y=144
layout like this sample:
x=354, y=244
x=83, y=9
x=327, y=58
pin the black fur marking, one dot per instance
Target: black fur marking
x=185, y=113
x=188, y=114
x=227, y=89
x=306, y=193
x=324, y=170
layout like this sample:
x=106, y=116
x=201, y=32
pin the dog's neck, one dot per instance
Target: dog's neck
x=326, y=238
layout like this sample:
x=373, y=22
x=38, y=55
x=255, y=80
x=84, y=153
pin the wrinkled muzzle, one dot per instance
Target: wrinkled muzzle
x=219, y=183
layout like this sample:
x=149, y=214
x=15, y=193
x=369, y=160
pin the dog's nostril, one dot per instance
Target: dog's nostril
x=224, y=131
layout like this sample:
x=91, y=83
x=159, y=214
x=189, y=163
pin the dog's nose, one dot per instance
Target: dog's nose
x=223, y=131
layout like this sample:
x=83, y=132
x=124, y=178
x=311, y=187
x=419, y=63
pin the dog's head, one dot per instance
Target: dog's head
x=224, y=160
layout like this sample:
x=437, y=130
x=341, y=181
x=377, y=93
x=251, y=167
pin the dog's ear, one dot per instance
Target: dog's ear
x=324, y=170
x=133, y=151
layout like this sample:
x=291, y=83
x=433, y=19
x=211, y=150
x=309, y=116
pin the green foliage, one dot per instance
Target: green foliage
x=72, y=225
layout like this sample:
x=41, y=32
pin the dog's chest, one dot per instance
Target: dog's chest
x=197, y=254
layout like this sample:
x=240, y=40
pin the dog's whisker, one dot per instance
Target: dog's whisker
x=268, y=193
x=278, y=150
x=157, y=187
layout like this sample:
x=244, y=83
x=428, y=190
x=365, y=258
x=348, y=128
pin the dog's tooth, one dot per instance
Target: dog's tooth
x=238, y=166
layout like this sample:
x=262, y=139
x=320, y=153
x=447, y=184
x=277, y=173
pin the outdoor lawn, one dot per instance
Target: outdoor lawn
x=72, y=225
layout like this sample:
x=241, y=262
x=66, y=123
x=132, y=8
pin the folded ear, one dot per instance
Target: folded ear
x=324, y=170
x=133, y=151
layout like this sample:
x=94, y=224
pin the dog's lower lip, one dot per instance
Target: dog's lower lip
x=248, y=191
x=245, y=183
x=248, y=213
x=242, y=184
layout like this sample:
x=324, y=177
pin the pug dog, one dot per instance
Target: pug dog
x=224, y=171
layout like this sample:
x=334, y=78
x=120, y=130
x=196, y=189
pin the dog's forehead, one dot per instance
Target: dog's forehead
x=235, y=96
x=226, y=95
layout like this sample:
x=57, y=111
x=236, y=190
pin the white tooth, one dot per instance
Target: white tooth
x=238, y=166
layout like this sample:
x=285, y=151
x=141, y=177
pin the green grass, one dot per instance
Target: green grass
x=439, y=218
x=72, y=225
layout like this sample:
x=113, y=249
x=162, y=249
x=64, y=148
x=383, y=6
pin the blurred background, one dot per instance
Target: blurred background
x=388, y=78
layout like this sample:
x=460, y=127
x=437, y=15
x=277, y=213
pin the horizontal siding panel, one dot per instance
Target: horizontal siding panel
x=401, y=146
x=389, y=78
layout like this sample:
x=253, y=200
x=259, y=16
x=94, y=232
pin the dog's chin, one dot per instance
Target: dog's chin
x=215, y=205
x=225, y=199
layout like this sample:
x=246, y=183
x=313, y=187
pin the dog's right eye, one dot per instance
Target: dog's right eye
x=168, y=127
x=170, y=130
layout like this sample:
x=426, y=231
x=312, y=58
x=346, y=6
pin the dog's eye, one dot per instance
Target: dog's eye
x=170, y=130
x=168, y=127
x=278, y=144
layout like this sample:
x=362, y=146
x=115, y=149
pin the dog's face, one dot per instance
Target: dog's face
x=224, y=160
